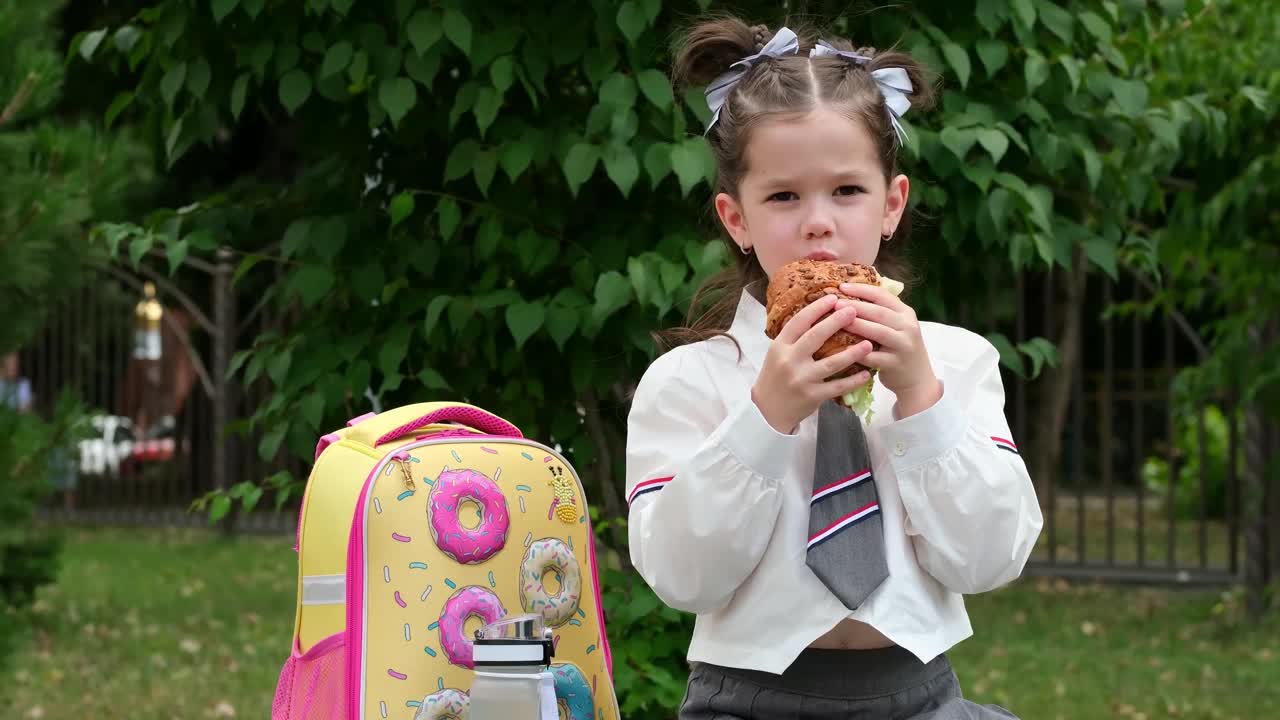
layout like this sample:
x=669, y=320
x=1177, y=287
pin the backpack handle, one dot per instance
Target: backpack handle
x=468, y=415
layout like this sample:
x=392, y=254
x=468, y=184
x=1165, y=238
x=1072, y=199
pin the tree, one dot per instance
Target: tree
x=54, y=177
x=498, y=202
x=1215, y=224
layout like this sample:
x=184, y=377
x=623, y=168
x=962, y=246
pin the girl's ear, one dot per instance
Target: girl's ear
x=729, y=211
x=895, y=203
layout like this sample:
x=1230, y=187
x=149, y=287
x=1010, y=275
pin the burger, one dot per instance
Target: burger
x=802, y=282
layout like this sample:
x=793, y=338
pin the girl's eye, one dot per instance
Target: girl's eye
x=849, y=190
x=782, y=196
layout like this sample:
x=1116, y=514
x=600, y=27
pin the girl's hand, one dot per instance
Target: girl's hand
x=902, y=360
x=791, y=384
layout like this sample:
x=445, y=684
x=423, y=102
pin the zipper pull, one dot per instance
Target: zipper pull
x=403, y=459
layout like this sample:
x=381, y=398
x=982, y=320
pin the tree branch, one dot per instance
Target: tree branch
x=19, y=99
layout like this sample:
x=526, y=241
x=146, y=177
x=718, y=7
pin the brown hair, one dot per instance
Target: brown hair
x=788, y=85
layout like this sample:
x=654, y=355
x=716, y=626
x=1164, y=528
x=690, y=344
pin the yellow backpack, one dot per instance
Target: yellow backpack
x=419, y=525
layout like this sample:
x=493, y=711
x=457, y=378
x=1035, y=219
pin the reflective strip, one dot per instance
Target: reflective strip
x=324, y=589
x=522, y=653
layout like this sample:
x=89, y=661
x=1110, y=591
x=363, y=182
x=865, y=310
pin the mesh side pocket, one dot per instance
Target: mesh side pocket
x=313, y=686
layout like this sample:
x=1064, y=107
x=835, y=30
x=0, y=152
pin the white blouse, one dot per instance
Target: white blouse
x=719, y=501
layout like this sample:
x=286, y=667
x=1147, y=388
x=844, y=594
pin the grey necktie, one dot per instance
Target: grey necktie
x=846, y=534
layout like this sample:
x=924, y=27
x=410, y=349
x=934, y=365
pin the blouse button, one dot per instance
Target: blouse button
x=900, y=449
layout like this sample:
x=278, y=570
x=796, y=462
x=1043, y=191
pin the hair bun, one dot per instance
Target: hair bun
x=762, y=35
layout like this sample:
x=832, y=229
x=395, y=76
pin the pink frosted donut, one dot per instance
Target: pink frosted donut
x=466, y=602
x=467, y=546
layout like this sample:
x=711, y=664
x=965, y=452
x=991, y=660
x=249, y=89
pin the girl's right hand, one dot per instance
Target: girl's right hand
x=791, y=384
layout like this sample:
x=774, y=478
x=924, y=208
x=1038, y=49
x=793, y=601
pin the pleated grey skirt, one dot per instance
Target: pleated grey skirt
x=887, y=684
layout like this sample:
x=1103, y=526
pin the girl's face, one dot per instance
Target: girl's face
x=814, y=188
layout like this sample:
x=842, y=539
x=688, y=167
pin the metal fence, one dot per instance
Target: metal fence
x=1109, y=509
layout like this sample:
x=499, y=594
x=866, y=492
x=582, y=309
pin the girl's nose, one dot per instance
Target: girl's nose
x=817, y=224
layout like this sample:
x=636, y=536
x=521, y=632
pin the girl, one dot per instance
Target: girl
x=825, y=559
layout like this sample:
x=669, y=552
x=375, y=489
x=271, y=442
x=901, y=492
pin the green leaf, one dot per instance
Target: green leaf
x=238, y=92
x=422, y=68
x=656, y=88
x=1259, y=97
x=336, y=59
x=122, y=101
x=450, y=217
x=432, y=380
x=425, y=29
x=1009, y=356
x=1036, y=70
x=1130, y=95
x=90, y=42
x=488, y=102
x=515, y=158
x=1096, y=26
x=613, y=292
x=657, y=162
x=401, y=207
x=278, y=364
x=140, y=246
x=174, y=78
x=959, y=60
x=631, y=21
x=458, y=29
x=995, y=143
x=1102, y=252
x=220, y=505
x=486, y=166
x=980, y=173
x=1092, y=166
x=1058, y=20
x=342, y=6
x=461, y=159
x=621, y=166
x=958, y=140
x=619, y=90
x=579, y=164
x=503, y=73
x=198, y=78
x=313, y=282
x=690, y=160
x=176, y=253
x=524, y=319
x=1025, y=11
x=434, y=308
x=998, y=205
x=1040, y=351
x=126, y=38
x=562, y=321
x=488, y=236
x=393, y=350
x=247, y=264
x=397, y=96
x=993, y=54
x=295, y=237
x=1072, y=66
x=990, y=14
x=295, y=88
x=222, y=8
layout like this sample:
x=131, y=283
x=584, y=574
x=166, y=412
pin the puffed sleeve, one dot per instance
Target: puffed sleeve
x=971, y=508
x=702, y=484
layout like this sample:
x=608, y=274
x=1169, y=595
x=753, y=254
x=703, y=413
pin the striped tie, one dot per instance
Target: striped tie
x=846, y=535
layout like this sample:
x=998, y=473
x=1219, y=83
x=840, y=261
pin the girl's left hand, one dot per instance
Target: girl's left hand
x=901, y=358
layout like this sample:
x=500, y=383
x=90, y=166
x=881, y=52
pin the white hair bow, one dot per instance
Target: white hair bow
x=893, y=82
x=784, y=42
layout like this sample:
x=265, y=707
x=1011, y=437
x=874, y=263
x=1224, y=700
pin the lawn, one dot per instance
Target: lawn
x=179, y=624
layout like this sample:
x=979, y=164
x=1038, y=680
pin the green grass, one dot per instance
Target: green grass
x=178, y=624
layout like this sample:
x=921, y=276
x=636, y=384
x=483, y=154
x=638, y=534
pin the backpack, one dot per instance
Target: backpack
x=419, y=525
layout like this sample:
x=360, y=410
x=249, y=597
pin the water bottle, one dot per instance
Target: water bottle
x=512, y=676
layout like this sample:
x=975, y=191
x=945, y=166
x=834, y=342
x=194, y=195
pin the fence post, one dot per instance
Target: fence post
x=223, y=343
